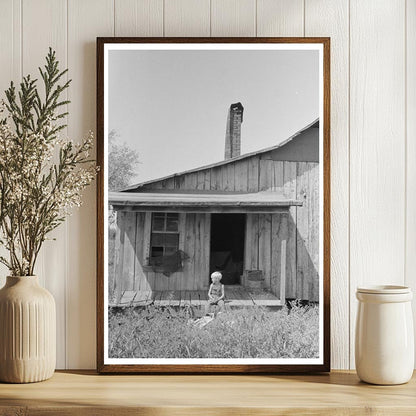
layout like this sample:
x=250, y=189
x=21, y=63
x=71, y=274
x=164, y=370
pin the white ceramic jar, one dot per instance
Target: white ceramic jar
x=384, y=338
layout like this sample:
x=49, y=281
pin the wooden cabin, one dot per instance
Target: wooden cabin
x=249, y=215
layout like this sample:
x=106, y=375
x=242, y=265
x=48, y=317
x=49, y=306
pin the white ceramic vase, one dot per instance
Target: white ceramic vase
x=384, y=338
x=27, y=331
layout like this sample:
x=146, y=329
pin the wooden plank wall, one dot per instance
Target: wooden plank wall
x=54, y=34
x=373, y=155
x=297, y=180
x=307, y=231
x=131, y=254
x=331, y=18
x=240, y=176
x=410, y=258
x=378, y=147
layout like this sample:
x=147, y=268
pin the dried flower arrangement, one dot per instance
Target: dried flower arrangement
x=42, y=176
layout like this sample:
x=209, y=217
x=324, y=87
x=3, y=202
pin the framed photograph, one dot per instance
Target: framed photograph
x=213, y=205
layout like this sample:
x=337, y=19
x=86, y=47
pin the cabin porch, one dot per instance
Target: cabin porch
x=235, y=296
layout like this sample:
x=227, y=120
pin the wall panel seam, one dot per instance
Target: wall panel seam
x=210, y=18
x=304, y=17
x=21, y=39
x=349, y=184
x=405, y=145
x=66, y=222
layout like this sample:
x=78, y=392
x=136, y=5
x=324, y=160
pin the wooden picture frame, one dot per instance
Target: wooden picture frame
x=158, y=204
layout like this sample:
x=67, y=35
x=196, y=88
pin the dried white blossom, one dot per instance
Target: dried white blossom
x=42, y=177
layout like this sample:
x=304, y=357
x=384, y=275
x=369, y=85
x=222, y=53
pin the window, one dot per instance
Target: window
x=165, y=234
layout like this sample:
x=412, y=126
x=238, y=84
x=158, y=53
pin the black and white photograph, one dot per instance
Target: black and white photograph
x=213, y=203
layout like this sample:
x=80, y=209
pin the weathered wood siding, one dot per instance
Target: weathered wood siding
x=132, y=252
x=264, y=232
x=299, y=229
x=307, y=235
x=240, y=176
x=263, y=247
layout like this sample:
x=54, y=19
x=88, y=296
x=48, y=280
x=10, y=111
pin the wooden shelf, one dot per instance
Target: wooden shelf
x=86, y=393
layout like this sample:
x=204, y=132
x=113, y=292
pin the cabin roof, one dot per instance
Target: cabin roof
x=225, y=162
x=201, y=201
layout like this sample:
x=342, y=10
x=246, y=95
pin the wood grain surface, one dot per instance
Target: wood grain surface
x=331, y=18
x=377, y=143
x=37, y=39
x=82, y=393
x=410, y=262
x=85, y=19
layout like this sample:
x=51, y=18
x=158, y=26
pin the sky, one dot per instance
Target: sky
x=171, y=106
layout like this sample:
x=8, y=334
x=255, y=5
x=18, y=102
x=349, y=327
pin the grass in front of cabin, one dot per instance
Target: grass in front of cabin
x=239, y=333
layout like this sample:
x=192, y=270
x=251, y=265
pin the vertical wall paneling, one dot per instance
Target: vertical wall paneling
x=10, y=43
x=189, y=248
x=241, y=176
x=87, y=20
x=150, y=281
x=251, y=256
x=44, y=24
x=314, y=230
x=264, y=249
x=10, y=63
x=377, y=146
x=302, y=231
x=6, y=45
x=331, y=18
x=289, y=191
x=278, y=263
x=139, y=275
x=206, y=249
x=280, y=18
x=129, y=250
x=373, y=131
x=200, y=273
x=118, y=256
x=187, y=18
x=411, y=148
x=233, y=18
x=138, y=17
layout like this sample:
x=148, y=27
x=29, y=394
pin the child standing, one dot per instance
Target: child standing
x=216, y=293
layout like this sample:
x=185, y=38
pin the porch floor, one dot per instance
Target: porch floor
x=234, y=296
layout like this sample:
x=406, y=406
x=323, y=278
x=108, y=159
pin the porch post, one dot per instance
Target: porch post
x=283, y=272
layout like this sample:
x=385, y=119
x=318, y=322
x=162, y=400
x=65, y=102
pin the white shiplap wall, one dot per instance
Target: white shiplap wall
x=373, y=132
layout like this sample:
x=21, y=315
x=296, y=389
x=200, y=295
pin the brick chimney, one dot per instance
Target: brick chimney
x=233, y=132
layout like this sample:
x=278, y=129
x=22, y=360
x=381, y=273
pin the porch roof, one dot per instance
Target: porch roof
x=265, y=201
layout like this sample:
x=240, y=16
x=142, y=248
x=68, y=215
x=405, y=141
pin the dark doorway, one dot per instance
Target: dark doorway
x=227, y=246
